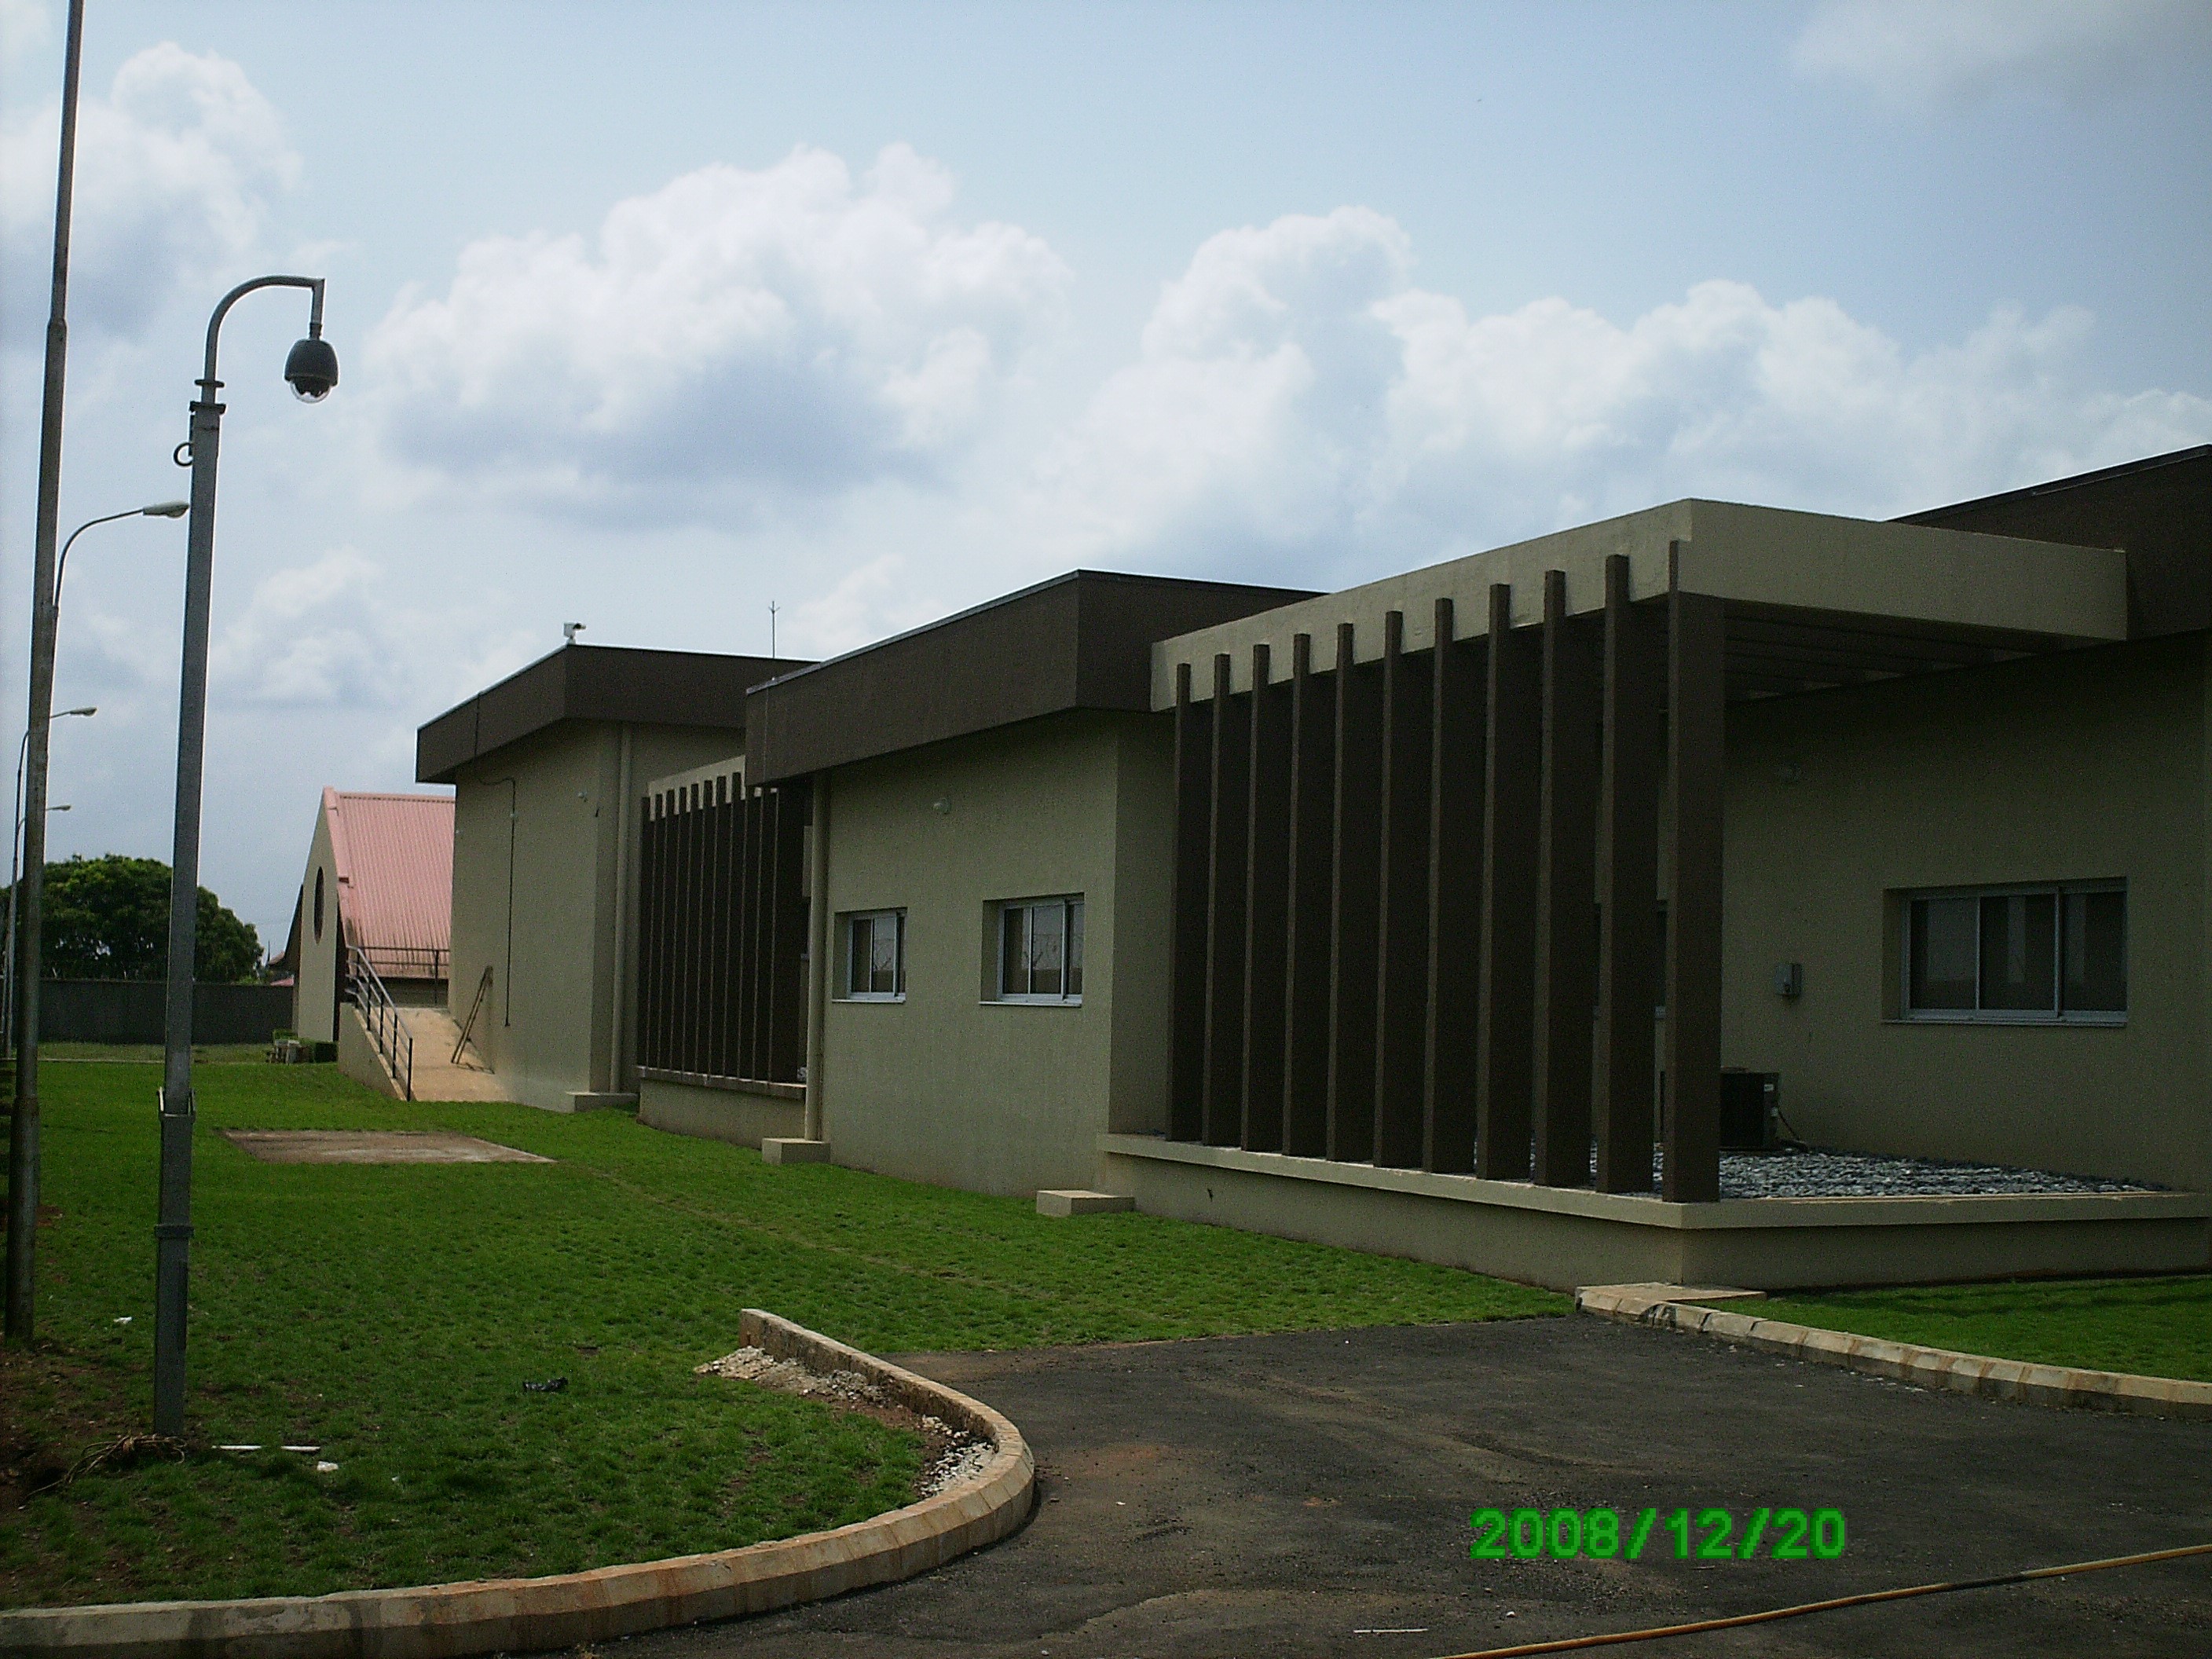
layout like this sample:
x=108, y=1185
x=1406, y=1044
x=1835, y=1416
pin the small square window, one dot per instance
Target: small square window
x=873, y=945
x=1040, y=951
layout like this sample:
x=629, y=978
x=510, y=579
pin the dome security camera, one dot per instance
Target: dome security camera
x=313, y=369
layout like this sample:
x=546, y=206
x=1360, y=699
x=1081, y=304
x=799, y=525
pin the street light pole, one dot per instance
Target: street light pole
x=23, y=1118
x=15, y=874
x=313, y=369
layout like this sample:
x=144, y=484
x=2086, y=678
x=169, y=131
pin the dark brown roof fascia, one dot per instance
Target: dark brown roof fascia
x=593, y=682
x=2158, y=511
x=1081, y=641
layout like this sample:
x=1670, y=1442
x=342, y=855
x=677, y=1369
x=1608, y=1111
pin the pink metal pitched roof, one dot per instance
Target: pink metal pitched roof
x=395, y=867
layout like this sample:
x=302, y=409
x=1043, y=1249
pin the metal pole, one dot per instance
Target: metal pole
x=173, y=1232
x=14, y=881
x=15, y=887
x=23, y=1123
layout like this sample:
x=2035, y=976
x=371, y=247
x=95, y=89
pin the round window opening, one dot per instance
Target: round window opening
x=318, y=906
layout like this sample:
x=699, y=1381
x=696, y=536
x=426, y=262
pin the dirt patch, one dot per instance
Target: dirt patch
x=91, y=1406
x=374, y=1146
x=949, y=1455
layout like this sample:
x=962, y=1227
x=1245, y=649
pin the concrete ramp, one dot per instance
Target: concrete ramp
x=436, y=1076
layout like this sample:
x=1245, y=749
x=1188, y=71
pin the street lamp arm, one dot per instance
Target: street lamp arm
x=313, y=284
x=61, y=564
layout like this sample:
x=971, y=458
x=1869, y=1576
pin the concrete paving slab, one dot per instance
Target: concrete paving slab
x=1064, y=1201
x=374, y=1146
x=1282, y=1495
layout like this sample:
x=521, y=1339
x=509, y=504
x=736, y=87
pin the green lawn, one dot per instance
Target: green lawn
x=391, y=1315
x=2153, y=1326
x=150, y=1053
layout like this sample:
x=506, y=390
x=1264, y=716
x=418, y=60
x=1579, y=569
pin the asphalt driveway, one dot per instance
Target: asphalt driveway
x=1310, y=1495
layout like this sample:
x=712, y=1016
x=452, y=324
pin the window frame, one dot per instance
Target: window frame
x=1073, y=935
x=846, y=921
x=2058, y=1014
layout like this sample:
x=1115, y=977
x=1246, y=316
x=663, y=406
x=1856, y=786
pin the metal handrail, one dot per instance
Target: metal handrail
x=380, y=1015
x=409, y=961
x=469, y=1026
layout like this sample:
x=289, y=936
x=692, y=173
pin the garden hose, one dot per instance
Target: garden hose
x=1573, y=1642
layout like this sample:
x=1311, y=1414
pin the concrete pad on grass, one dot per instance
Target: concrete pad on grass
x=374, y=1146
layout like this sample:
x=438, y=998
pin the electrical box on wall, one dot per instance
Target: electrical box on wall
x=1789, y=980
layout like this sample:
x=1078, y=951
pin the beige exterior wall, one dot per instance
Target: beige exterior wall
x=551, y=1027
x=314, y=990
x=947, y=1086
x=2085, y=766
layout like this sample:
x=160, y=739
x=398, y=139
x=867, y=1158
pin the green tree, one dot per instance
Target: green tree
x=108, y=918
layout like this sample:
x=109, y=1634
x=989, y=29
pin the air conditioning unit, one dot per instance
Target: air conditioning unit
x=1750, y=1106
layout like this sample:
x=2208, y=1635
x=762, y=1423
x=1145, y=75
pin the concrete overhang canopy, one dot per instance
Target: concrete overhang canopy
x=1080, y=640
x=1814, y=601
x=593, y=682
x=2157, y=510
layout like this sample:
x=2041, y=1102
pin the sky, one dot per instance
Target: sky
x=652, y=316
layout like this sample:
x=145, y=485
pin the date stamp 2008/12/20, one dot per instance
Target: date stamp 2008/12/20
x=1787, y=1534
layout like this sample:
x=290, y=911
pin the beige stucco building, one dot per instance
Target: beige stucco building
x=2082, y=771
x=548, y=769
x=1457, y=916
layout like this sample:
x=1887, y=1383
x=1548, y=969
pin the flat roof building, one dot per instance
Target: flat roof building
x=1480, y=913
x=548, y=767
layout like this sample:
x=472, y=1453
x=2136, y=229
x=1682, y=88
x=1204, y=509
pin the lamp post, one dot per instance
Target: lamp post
x=26, y=942
x=17, y=971
x=312, y=367
x=14, y=870
x=23, y=1120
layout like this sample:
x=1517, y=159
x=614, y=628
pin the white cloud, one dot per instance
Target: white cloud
x=871, y=601
x=1301, y=411
x=732, y=335
x=175, y=169
x=331, y=634
x=1251, y=411
x=1918, y=53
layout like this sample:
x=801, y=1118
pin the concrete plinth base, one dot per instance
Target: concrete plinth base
x=1564, y=1238
x=777, y=1150
x=1065, y=1201
x=744, y=1117
x=588, y=1100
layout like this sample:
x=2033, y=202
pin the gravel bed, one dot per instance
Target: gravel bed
x=1812, y=1172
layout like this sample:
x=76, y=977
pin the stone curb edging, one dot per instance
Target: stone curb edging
x=521, y=1615
x=1667, y=1307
